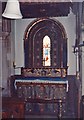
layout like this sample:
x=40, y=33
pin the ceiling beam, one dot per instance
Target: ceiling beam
x=35, y=10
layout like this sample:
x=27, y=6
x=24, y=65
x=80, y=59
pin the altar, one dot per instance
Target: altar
x=41, y=95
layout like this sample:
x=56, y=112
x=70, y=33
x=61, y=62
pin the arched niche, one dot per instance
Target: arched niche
x=33, y=43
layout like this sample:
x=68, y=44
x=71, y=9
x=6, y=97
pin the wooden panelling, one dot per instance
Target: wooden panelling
x=12, y=108
x=6, y=25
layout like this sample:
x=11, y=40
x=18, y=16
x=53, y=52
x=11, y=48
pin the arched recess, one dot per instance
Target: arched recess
x=33, y=43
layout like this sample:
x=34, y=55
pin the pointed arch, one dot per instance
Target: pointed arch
x=46, y=51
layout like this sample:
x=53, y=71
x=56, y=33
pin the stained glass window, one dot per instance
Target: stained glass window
x=46, y=51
